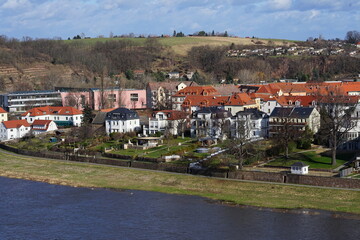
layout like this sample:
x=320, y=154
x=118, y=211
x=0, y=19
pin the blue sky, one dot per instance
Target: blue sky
x=288, y=19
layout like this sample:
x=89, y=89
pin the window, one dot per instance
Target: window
x=134, y=97
x=112, y=98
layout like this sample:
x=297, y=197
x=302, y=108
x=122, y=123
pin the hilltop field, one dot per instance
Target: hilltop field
x=182, y=45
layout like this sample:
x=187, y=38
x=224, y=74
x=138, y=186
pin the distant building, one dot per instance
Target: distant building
x=3, y=115
x=211, y=122
x=122, y=120
x=170, y=120
x=22, y=101
x=62, y=116
x=250, y=124
x=297, y=117
x=43, y=126
x=173, y=75
x=14, y=129
x=158, y=94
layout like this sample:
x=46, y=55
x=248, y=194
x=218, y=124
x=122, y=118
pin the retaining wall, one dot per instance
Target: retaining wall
x=283, y=177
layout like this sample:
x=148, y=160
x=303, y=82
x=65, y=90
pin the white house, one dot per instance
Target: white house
x=62, y=116
x=43, y=126
x=299, y=168
x=250, y=124
x=13, y=129
x=211, y=122
x=174, y=121
x=122, y=120
x=3, y=115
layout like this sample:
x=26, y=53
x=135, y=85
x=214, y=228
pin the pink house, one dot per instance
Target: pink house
x=76, y=99
x=115, y=98
x=99, y=99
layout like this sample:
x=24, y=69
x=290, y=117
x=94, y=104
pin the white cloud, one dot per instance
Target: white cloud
x=14, y=4
x=280, y=4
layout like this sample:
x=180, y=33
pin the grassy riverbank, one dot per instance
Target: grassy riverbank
x=254, y=194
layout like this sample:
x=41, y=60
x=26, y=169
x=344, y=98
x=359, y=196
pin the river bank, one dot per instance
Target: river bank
x=243, y=193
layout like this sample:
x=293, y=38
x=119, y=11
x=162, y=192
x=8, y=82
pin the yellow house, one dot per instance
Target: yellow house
x=3, y=115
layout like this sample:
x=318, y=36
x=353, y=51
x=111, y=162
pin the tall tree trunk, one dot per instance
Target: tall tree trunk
x=333, y=151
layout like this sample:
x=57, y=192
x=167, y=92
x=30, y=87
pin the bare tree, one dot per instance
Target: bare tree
x=241, y=134
x=336, y=120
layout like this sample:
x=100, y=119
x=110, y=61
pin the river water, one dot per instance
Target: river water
x=33, y=210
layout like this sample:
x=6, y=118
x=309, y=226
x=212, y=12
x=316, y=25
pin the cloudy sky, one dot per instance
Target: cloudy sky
x=287, y=19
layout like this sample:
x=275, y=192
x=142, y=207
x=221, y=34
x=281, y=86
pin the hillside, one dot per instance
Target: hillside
x=44, y=64
x=181, y=45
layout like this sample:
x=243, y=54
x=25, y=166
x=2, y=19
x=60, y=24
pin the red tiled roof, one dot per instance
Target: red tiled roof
x=240, y=99
x=204, y=101
x=198, y=90
x=2, y=110
x=51, y=110
x=174, y=115
x=16, y=123
x=42, y=123
x=305, y=101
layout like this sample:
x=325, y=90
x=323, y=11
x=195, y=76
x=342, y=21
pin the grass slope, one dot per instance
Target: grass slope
x=254, y=194
x=181, y=45
x=313, y=159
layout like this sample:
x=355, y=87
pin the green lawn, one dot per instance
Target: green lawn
x=168, y=148
x=313, y=159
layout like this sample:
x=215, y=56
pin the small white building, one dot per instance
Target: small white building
x=13, y=129
x=3, y=115
x=122, y=120
x=43, y=126
x=299, y=168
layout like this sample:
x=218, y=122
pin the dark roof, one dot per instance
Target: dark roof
x=295, y=112
x=254, y=112
x=218, y=112
x=122, y=114
x=99, y=118
x=299, y=164
x=33, y=92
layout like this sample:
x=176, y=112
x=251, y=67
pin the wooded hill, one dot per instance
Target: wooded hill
x=43, y=64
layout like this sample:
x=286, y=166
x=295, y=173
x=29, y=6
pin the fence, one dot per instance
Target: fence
x=283, y=177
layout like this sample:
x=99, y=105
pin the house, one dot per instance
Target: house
x=22, y=101
x=241, y=101
x=299, y=168
x=158, y=94
x=173, y=75
x=351, y=138
x=75, y=97
x=14, y=129
x=62, y=116
x=168, y=120
x=179, y=97
x=122, y=120
x=250, y=124
x=193, y=103
x=3, y=115
x=296, y=117
x=212, y=122
x=43, y=126
x=118, y=98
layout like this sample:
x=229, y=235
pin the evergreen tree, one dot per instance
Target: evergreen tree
x=88, y=115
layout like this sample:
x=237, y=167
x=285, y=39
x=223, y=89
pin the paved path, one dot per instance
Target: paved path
x=225, y=179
